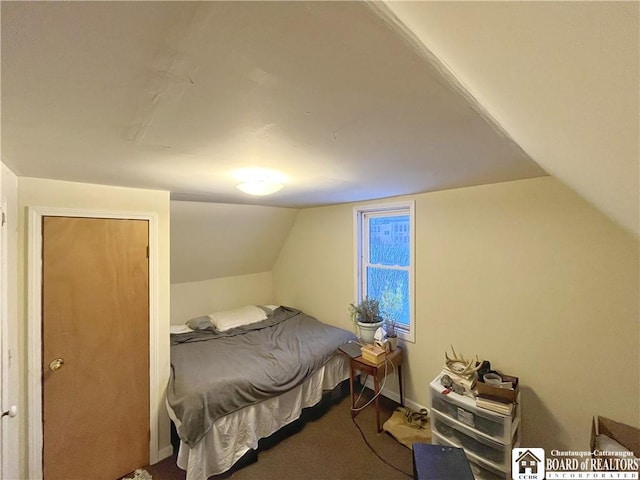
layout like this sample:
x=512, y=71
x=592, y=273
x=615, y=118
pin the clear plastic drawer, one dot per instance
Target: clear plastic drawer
x=484, y=472
x=463, y=409
x=472, y=442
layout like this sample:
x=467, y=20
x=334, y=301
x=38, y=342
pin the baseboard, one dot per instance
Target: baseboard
x=165, y=452
x=395, y=396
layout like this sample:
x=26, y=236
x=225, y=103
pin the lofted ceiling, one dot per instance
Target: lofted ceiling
x=337, y=96
x=563, y=78
x=202, y=250
x=349, y=100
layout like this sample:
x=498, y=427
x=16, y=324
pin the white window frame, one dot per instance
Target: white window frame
x=361, y=236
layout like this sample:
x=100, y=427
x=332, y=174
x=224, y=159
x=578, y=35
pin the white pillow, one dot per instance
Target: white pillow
x=237, y=317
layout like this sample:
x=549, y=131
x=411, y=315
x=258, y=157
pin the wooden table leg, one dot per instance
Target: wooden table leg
x=400, y=384
x=376, y=384
x=351, y=390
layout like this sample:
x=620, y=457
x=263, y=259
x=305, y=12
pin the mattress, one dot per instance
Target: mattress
x=233, y=435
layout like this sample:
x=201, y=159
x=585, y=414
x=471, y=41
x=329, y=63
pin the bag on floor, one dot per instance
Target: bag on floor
x=407, y=426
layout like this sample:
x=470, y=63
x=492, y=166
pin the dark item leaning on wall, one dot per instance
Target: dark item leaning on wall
x=485, y=367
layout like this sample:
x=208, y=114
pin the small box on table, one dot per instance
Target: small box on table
x=373, y=354
x=509, y=395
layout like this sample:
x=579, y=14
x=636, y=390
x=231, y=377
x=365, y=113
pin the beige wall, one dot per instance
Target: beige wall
x=192, y=299
x=315, y=269
x=51, y=193
x=524, y=274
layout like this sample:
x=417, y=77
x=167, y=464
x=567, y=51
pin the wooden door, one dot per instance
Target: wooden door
x=95, y=318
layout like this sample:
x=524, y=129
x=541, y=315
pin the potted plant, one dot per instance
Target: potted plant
x=366, y=315
x=391, y=332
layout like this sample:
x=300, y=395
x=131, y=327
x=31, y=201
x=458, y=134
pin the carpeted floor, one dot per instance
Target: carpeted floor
x=323, y=444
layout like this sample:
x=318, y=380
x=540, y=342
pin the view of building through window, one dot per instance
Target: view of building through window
x=385, y=270
x=387, y=276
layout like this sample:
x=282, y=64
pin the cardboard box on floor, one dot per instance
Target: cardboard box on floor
x=625, y=435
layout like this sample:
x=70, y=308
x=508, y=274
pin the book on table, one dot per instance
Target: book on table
x=351, y=349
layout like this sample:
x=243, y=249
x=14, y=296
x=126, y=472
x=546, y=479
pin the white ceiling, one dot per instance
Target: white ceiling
x=177, y=95
x=344, y=98
x=563, y=78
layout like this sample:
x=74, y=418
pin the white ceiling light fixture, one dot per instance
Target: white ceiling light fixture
x=259, y=187
x=259, y=181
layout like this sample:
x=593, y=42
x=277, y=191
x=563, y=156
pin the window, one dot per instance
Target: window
x=384, y=253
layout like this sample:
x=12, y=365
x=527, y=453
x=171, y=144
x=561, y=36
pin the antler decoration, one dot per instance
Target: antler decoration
x=460, y=366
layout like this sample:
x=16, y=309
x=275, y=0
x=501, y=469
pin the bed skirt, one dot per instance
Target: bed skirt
x=235, y=434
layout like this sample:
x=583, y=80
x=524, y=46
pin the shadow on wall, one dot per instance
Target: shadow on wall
x=538, y=421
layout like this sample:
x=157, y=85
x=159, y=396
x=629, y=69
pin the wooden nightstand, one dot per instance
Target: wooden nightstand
x=378, y=372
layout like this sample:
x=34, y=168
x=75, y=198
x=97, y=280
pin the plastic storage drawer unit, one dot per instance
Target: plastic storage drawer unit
x=464, y=410
x=486, y=437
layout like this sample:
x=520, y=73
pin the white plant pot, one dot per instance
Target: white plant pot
x=393, y=343
x=367, y=331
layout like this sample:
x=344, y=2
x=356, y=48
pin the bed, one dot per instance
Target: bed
x=240, y=376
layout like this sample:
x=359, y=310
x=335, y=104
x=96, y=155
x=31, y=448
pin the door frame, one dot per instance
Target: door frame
x=34, y=325
x=4, y=338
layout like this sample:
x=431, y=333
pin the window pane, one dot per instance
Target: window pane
x=391, y=288
x=389, y=240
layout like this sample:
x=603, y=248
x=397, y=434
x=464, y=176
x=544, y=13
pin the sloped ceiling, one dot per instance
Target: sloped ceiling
x=563, y=78
x=350, y=100
x=212, y=240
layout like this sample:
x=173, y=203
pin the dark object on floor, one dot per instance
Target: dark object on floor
x=437, y=462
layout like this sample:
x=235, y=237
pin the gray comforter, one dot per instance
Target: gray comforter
x=215, y=373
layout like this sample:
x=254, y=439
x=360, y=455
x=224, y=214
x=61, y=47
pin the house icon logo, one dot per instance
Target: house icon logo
x=527, y=463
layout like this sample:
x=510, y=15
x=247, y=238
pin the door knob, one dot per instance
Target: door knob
x=56, y=364
x=12, y=412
